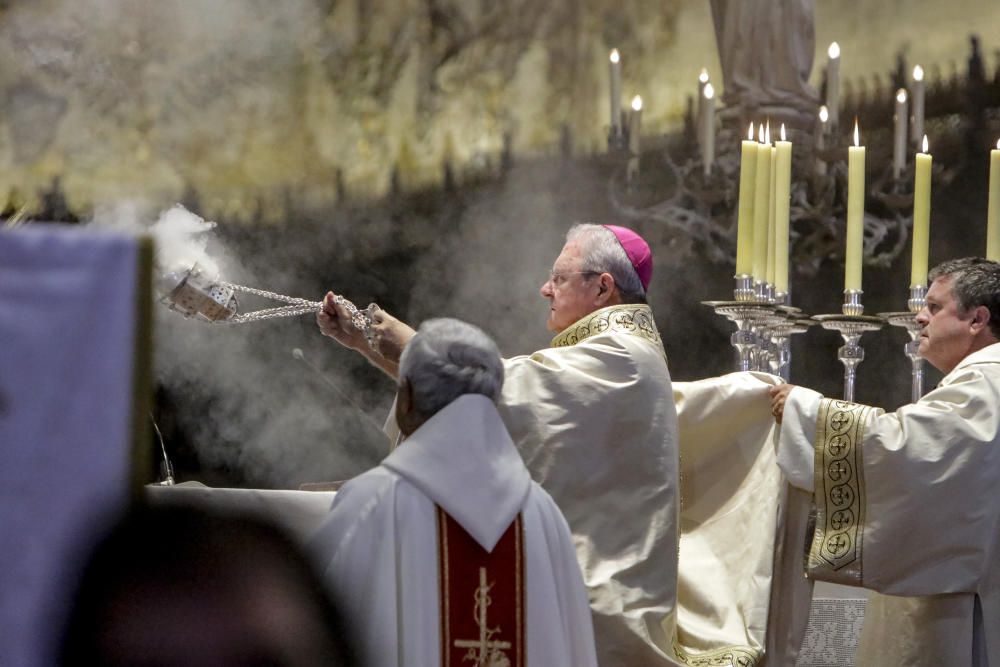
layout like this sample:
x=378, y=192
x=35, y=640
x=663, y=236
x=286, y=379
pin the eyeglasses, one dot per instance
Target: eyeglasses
x=557, y=278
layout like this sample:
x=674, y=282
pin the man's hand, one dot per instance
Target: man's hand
x=779, y=394
x=390, y=335
x=335, y=321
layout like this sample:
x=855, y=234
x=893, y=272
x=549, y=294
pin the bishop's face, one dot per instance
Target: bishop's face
x=947, y=335
x=571, y=290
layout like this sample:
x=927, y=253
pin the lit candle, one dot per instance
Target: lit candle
x=771, y=234
x=993, y=208
x=899, y=136
x=821, y=130
x=855, y=213
x=748, y=191
x=616, y=93
x=833, y=83
x=761, y=208
x=782, y=198
x=702, y=82
x=921, y=217
x=708, y=146
x=917, y=90
x=635, y=125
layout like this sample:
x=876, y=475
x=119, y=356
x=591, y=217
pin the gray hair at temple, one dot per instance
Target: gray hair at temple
x=446, y=359
x=974, y=282
x=603, y=253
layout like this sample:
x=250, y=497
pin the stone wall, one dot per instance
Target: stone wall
x=244, y=105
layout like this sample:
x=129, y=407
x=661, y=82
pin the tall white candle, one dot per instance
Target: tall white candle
x=833, y=83
x=708, y=147
x=822, y=127
x=993, y=208
x=899, y=135
x=921, y=216
x=616, y=92
x=917, y=93
x=782, y=194
x=748, y=192
x=702, y=82
x=855, y=213
x=761, y=208
x=635, y=126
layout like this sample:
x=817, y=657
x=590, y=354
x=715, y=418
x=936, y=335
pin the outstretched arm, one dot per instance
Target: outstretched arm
x=389, y=335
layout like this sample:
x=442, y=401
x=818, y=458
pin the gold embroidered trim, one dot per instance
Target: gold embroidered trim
x=839, y=494
x=635, y=319
x=729, y=656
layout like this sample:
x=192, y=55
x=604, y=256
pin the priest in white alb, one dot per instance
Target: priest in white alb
x=906, y=502
x=447, y=553
x=593, y=418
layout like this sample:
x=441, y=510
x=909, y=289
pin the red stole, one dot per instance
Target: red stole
x=482, y=597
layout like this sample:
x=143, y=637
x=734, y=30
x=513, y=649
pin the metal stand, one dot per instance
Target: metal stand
x=851, y=324
x=750, y=315
x=786, y=323
x=908, y=320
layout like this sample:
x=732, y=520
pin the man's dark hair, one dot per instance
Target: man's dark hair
x=159, y=564
x=974, y=282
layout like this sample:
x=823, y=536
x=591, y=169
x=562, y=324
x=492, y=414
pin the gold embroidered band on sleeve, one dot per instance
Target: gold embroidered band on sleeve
x=836, y=550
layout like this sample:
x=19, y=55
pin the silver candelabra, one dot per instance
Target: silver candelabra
x=908, y=320
x=852, y=323
x=763, y=326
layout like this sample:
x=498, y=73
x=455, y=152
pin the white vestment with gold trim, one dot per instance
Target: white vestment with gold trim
x=593, y=417
x=741, y=596
x=379, y=546
x=907, y=506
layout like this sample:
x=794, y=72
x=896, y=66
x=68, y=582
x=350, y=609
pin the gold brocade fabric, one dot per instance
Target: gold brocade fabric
x=731, y=656
x=635, y=319
x=733, y=581
x=840, y=492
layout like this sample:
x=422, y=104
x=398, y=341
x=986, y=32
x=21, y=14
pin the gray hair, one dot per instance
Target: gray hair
x=604, y=254
x=446, y=359
x=974, y=282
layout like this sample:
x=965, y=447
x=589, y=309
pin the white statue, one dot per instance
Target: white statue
x=766, y=51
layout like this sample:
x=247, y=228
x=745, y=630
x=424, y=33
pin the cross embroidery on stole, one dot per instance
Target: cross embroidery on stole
x=482, y=597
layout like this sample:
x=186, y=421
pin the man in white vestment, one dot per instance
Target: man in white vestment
x=448, y=552
x=906, y=503
x=593, y=418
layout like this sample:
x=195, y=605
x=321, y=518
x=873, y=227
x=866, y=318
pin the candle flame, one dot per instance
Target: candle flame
x=998, y=144
x=833, y=51
x=703, y=77
x=824, y=114
x=760, y=133
x=900, y=95
x=750, y=134
x=709, y=91
x=857, y=133
x=918, y=73
x=783, y=132
x=614, y=55
x=925, y=143
x=767, y=133
x=637, y=103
